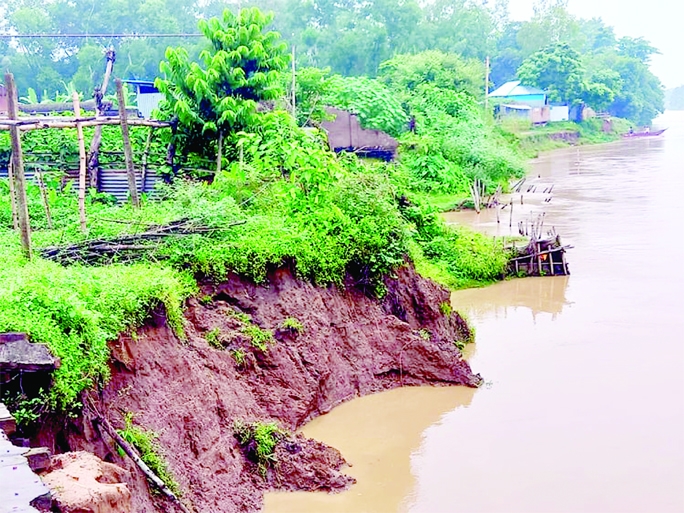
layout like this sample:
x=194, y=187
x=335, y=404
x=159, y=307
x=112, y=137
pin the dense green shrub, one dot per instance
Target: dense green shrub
x=77, y=310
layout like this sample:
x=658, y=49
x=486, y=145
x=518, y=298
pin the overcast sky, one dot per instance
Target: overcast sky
x=659, y=21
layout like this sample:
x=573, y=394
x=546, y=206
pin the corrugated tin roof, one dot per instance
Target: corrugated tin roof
x=113, y=181
x=514, y=88
x=20, y=485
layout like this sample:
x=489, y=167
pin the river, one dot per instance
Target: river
x=583, y=407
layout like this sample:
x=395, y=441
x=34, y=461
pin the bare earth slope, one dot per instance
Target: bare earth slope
x=191, y=393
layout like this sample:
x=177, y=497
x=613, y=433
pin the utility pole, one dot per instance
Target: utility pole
x=18, y=167
x=486, y=101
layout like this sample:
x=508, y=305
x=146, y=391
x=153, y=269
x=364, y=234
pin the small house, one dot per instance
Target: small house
x=3, y=100
x=516, y=100
x=147, y=96
x=516, y=93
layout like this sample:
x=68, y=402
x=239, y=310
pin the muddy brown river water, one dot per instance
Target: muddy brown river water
x=583, y=410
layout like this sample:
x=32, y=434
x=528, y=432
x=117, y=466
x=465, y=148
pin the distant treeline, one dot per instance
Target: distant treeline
x=351, y=37
x=674, y=98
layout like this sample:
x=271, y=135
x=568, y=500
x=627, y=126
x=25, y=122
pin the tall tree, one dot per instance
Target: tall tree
x=240, y=67
x=558, y=70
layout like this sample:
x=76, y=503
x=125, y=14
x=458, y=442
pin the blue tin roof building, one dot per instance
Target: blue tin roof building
x=515, y=92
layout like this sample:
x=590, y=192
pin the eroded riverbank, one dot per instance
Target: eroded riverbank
x=584, y=406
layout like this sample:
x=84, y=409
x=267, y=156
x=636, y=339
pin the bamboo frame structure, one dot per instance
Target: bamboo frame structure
x=44, y=122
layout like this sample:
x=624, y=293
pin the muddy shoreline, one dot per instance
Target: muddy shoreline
x=190, y=392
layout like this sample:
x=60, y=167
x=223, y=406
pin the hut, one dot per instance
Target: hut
x=517, y=100
x=345, y=133
x=147, y=96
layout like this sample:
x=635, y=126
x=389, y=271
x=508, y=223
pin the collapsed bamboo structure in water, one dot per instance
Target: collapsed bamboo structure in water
x=540, y=257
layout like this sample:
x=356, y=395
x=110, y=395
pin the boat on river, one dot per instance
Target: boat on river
x=644, y=133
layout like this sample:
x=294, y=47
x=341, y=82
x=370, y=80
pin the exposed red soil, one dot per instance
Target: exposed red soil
x=83, y=483
x=191, y=393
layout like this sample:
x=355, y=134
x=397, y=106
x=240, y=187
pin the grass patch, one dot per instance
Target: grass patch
x=259, y=441
x=239, y=356
x=531, y=139
x=445, y=308
x=213, y=338
x=292, y=324
x=259, y=338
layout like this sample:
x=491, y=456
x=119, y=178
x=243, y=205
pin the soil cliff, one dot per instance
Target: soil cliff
x=191, y=391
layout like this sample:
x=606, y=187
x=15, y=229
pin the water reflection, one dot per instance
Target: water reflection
x=539, y=295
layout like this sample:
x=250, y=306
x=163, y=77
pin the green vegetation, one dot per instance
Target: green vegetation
x=26, y=411
x=259, y=441
x=240, y=316
x=349, y=38
x=77, y=310
x=239, y=68
x=445, y=308
x=213, y=338
x=291, y=323
x=531, y=139
x=150, y=451
x=328, y=217
x=259, y=338
x=616, y=81
x=239, y=356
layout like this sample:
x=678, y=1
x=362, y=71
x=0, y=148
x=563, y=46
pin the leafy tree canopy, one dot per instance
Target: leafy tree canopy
x=558, y=70
x=240, y=68
x=408, y=71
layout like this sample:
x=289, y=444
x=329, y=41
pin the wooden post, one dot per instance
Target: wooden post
x=18, y=167
x=219, y=154
x=43, y=195
x=81, y=165
x=13, y=195
x=94, y=161
x=128, y=152
x=145, y=157
x=510, y=220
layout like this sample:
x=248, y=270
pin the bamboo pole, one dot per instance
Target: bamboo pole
x=13, y=195
x=81, y=165
x=44, y=197
x=145, y=157
x=18, y=167
x=133, y=454
x=128, y=152
x=42, y=122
